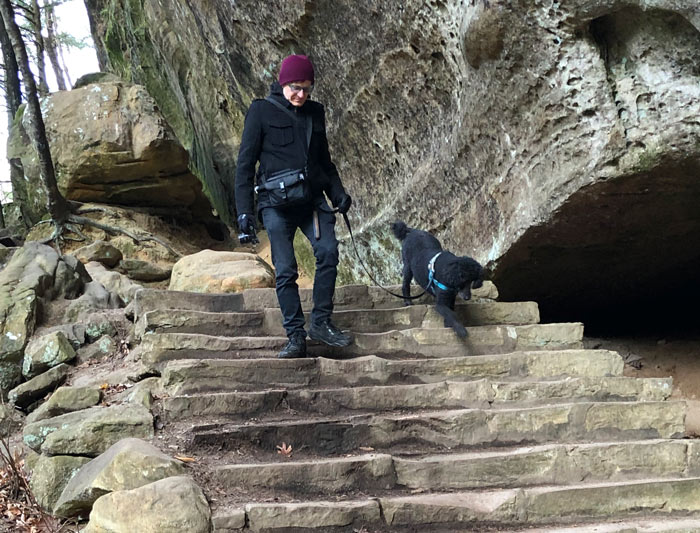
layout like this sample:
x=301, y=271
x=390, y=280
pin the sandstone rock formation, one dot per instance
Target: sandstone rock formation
x=210, y=271
x=171, y=504
x=110, y=144
x=128, y=464
x=66, y=400
x=548, y=140
x=51, y=474
x=28, y=279
x=88, y=432
x=46, y=352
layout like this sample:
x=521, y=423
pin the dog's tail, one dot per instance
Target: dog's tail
x=400, y=229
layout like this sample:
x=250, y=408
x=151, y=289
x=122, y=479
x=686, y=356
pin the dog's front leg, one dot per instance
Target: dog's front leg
x=406, y=287
x=445, y=304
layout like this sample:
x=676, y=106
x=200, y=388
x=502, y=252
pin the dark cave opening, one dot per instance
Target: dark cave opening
x=667, y=310
x=622, y=256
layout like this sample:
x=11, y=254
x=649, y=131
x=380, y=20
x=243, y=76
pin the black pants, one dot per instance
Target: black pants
x=281, y=225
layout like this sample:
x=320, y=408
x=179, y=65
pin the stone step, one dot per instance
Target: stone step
x=665, y=525
x=346, y=297
x=219, y=375
x=652, y=501
x=548, y=505
x=269, y=321
x=464, y=428
x=441, y=395
x=550, y=464
x=157, y=348
x=248, y=324
x=557, y=464
x=480, y=313
x=230, y=521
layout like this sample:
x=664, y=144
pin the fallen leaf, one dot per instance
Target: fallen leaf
x=185, y=459
x=285, y=449
x=366, y=449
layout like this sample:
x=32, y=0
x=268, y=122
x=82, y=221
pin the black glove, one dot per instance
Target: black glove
x=344, y=204
x=246, y=226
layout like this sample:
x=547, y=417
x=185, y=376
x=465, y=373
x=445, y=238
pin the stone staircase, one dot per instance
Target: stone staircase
x=516, y=428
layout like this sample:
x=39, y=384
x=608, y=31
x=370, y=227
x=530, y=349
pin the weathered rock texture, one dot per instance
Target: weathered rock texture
x=556, y=141
x=109, y=144
x=171, y=504
x=210, y=271
x=126, y=465
x=29, y=280
x=183, y=232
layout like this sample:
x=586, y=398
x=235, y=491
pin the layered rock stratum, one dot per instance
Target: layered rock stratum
x=556, y=142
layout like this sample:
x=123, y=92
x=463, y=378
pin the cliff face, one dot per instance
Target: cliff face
x=548, y=139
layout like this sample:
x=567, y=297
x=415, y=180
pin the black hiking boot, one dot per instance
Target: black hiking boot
x=329, y=334
x=295, y=349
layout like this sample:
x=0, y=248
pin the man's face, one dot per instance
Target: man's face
x=297, y=92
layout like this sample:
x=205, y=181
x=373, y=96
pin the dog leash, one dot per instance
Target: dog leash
x=357, y=253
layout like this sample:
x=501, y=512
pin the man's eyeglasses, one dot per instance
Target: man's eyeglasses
x=299, y=88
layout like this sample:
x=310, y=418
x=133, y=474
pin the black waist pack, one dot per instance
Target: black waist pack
x=287, y=188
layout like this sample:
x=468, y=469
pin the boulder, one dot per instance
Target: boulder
x=65, y=400
x=142, y=392
x=111, y=145
x=114, y=281
x=75, y=333
x=99, y=349
x=142, y=270
x=126, y=465
x=46, y=352
x=27, y=393
x=100, y=251
x=171, y=504
x=50, y=475
x=99, y=324
x=70, y=278
x=26, y=278
x=96, y=297
x=88, y=432
x=210, y=271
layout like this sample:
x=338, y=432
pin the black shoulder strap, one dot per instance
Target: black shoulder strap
x=309, y=124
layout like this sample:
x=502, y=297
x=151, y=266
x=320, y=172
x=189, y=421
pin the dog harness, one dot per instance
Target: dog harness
x=431, y=275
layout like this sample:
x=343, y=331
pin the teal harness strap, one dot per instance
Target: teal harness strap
x=431, y=275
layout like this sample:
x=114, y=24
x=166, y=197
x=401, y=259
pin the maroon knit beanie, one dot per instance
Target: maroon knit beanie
x=296, y=68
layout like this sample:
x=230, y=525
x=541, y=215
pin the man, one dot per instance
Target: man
x=275, y=135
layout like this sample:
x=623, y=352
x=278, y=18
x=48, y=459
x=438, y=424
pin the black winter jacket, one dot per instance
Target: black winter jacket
x=271, y=137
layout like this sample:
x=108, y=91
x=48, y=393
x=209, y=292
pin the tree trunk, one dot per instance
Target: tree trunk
x=39, y=39
x=52, y=44
x=57, y=205
x=13, y=94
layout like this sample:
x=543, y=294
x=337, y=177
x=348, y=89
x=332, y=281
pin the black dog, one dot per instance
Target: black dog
x=441, y=273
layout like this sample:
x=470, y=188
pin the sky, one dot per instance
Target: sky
x=71, y=18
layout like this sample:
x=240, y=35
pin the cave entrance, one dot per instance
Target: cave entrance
x=623, y=254
x=620, y=254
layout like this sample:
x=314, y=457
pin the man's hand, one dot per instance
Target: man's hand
x=344, y=204
x=246, y=226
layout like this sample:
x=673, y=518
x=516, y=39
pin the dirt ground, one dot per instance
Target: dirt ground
x=674, y=356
